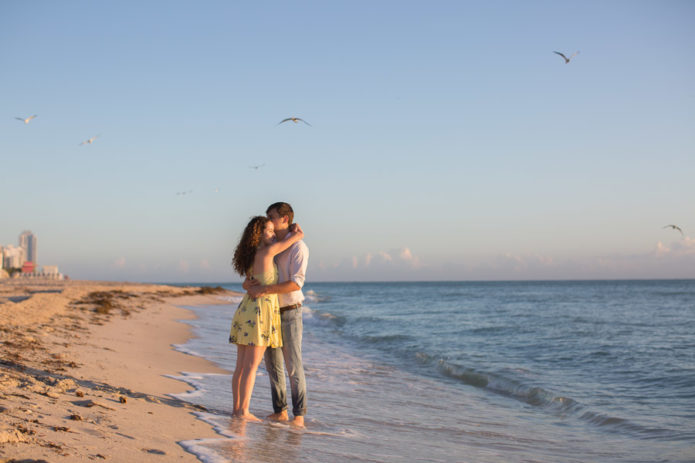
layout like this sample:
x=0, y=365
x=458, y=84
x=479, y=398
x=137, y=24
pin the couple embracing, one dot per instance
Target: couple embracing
x=268, y=322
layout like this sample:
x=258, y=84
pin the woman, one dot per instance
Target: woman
x=256, y=323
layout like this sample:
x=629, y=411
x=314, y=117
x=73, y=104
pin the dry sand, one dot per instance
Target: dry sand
x=82, y=372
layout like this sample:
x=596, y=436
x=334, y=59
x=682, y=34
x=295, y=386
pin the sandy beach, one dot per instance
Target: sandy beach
x=82, y=371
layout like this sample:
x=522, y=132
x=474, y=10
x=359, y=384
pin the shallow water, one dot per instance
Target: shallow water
x=473, y=372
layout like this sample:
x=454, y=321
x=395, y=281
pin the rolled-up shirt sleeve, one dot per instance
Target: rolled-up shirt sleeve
x=299, y=258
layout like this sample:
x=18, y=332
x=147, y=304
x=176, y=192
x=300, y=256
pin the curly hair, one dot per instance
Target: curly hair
x=250, y=239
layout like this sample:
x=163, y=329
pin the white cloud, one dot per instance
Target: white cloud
x=368, y=259
x=680, y=248
x=661, y=249
x=674, y=260
x=408, y=257
x=683, y=247
x=670, y=259
x=386, y=263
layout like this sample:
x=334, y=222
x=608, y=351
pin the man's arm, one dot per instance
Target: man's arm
x=278, y=288
x=298, y=263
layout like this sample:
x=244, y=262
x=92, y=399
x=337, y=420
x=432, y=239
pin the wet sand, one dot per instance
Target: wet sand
x=82, y=368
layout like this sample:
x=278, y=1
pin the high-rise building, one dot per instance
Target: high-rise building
x=27, y=241
x=13, y=257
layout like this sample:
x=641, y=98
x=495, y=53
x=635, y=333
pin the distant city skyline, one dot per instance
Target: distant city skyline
x=448, y=141
x=22, y=260
x=14, y=257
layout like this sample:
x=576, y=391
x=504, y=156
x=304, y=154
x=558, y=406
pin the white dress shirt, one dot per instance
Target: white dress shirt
x=291, y=265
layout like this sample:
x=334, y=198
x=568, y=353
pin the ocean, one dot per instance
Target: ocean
x=571, y=371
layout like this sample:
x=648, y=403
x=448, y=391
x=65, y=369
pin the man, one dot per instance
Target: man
x=291, y=265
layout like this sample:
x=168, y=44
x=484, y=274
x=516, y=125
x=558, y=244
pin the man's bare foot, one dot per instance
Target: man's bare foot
x=248, y=417
x=298, y=421
x=282, y=416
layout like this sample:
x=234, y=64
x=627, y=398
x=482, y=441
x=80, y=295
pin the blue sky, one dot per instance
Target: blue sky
x=447, y=140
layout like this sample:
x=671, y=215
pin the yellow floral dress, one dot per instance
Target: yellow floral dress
x=256, y=322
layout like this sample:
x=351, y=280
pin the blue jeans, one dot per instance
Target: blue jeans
x=289, y=354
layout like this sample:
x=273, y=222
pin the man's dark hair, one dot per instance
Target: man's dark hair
x=282, y=209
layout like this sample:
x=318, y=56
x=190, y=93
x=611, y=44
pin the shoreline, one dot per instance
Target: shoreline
x=86, y=372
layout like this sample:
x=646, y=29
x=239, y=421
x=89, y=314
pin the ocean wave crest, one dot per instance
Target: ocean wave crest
x=322, y=317
x=542, y=398
x=232, y=299
x=313, y=296
x=511, y=387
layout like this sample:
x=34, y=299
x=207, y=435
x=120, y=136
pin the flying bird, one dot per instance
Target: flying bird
x=295, y=120
x=567, y=60
x=256, y=167
x=675, y=227
x=90, y=141
x=184, y=193
x=26, y=120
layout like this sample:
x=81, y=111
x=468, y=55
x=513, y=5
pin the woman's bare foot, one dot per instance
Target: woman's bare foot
x=282, y=416
x=298, y=421
x=248, y=417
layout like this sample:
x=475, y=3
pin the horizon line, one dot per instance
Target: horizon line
x=559, y=280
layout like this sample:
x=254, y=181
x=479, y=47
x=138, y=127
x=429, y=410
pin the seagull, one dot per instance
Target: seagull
x=256, y=167
x=90, y=141
x=184, y=193
x=567, y=60
x=295, y=120
x=675, y=227
x=27, y=120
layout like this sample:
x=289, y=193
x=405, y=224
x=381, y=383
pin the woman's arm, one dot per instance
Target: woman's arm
x=291, y=238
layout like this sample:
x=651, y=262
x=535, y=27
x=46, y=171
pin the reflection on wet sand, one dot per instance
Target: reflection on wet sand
x=260, y=442
x=237, y=447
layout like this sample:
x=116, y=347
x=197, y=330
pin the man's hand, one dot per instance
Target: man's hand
x=255, y=290
x=249, y=283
